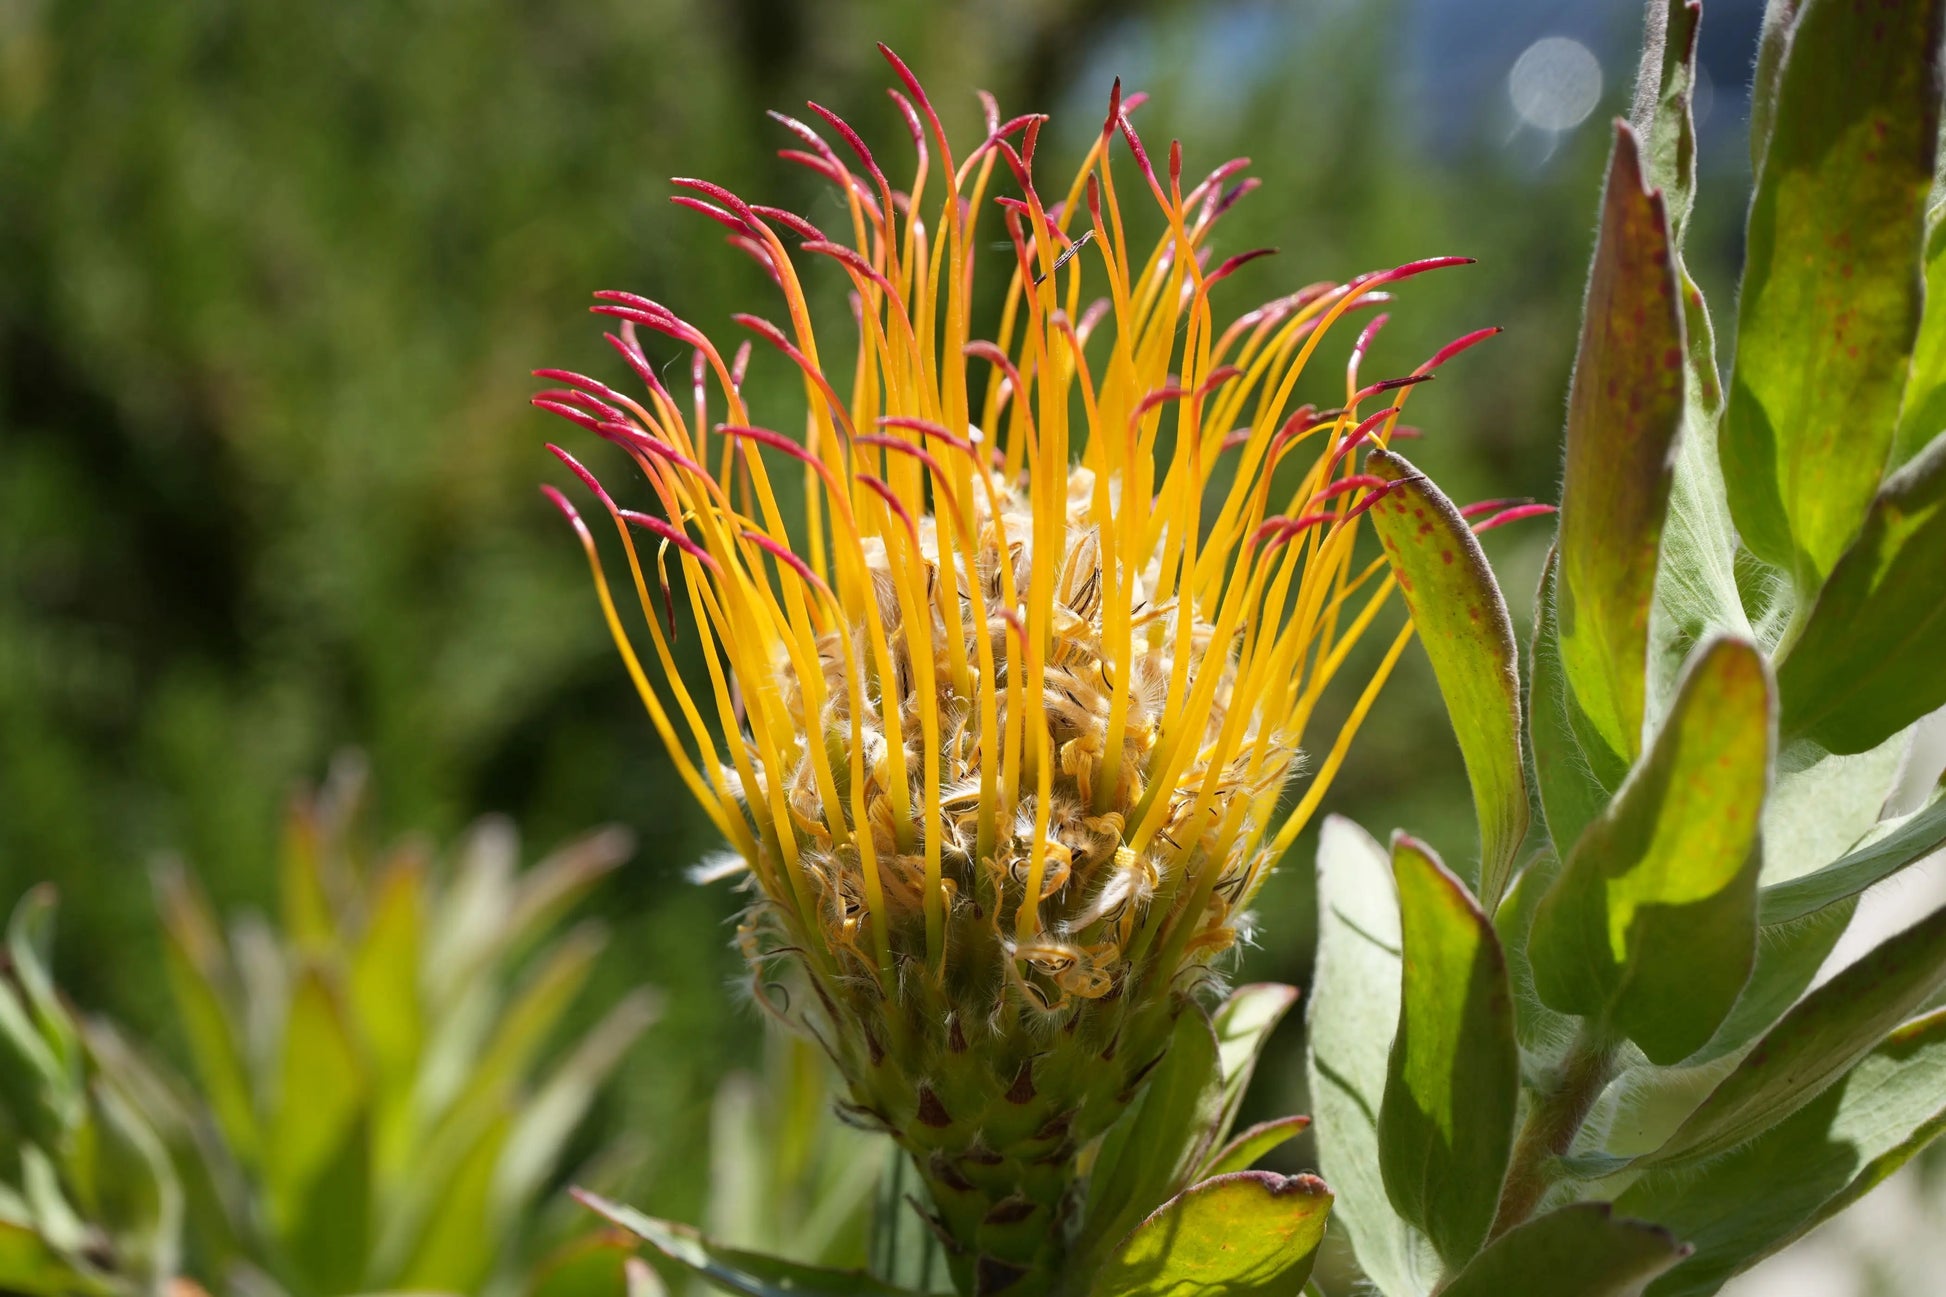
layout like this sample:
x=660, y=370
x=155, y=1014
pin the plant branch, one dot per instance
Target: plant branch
x=1551, y=1126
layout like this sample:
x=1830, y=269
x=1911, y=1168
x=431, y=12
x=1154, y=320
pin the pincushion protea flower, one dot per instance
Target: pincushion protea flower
x=1002, y=733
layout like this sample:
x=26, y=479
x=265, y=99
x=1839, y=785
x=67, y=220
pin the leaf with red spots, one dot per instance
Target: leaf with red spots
x=1624, y=410
x=1463, y=622
x=1252, y=1234
x=1831, y=294
x=1652, y=925
x=1870, y=661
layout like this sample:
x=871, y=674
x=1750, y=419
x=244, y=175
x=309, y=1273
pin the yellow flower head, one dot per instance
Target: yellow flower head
x=1005, y=711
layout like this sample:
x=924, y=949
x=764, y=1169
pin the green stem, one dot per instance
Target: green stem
x=1552, y=1124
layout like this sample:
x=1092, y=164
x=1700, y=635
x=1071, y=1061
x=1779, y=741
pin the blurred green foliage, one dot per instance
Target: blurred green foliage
x=271, y=279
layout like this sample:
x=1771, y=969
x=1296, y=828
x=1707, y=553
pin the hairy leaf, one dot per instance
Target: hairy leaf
x=1575, y=770
x=1831, y=291
x=1353, y=1011
x=1581, y=1250
x=1624, y=410
x=1462, y=620
x=1922, y=414
x=1652, y=923
x=1816, y=1042
x=1249, y=1147
x=1868, y=662
x=1755, y=1199
x=1446, y=1124
x=1916, y=836
x=1251, y=1234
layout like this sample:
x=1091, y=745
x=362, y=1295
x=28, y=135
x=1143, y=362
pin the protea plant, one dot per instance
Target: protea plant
x=1012, y=654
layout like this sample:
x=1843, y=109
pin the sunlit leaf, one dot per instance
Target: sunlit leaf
x=1446, y=1124
x=1922, y=416
x=1462, y=620
x=1624, y=410
x=1252, y=1234
x=1831, y=291
x=191, y=956
x=1868, y=662
x=1250, y=1146
x=1652, y=924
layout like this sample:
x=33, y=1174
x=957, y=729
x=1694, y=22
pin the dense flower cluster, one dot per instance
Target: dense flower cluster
x=1003, y=735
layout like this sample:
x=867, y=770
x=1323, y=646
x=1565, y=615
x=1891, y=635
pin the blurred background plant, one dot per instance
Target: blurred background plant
x=270, y=279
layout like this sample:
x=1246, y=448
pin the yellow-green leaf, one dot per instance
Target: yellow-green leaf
x=1652, y=924
x=1252, y=1234
x=1831, y=290
x=1250, y=1147
x=317, y=1157
x=1462, y=620
x=193, y=964
x=1447, y=1121
x=1624, y=409
x=1922, y=414
x=1869, y=661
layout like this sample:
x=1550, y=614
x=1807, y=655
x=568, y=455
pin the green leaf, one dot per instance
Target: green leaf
x=1821, y=805
x=1738, y=1208
x=1922, y=414
x=1574, y=769
x=1624, y=409
x=1243, y=1025
x=29, y=1265
x=1250, y=1147
x=1916, y=836
x=1581, y=1250
x=461, y=1239
x=193, y=965
x=1868, y=662
x=547, y=1120
x=1834, y=1027
x=1831, y=294
x=1252, y=1234
x=589, y=1266
x=1463, y=622
x=1446, y=1124
x=1773, y=40
x=317, y=1153
x=1354, y=1010
x=1664, y=85
x=748, y=1273
x=1652, y=923
x=1151, y=1151
x=1538, y=1029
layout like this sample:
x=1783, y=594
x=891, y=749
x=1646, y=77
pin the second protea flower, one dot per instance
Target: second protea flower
x=1012, y=649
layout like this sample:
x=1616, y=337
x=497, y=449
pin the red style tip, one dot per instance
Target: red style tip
x=675, y=536
x=559, y=501
x=1514, y=515
x=1456, y=346
x=1234, y=264
x=783, y=555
